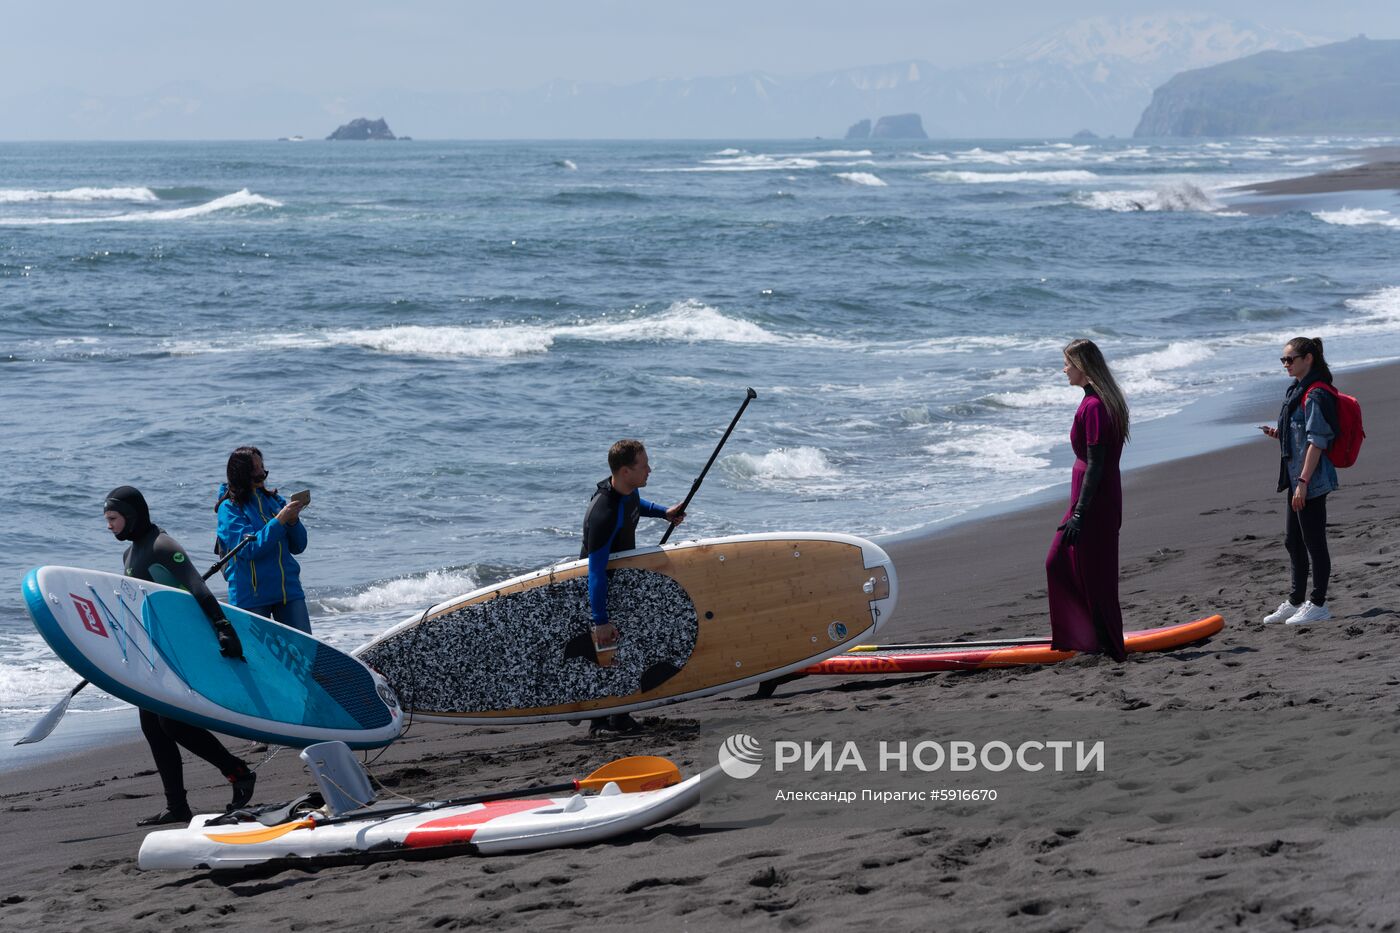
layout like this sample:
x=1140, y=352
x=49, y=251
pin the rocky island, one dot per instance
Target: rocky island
x=899, y=126
x=361, y=128
x=1344, y=87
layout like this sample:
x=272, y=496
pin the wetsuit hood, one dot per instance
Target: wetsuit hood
x=128, y=501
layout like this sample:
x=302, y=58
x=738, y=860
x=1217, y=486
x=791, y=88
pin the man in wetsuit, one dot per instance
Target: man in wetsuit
x=610, y=526
x=157, y=557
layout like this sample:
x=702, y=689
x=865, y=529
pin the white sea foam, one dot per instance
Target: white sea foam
x=861, y=178
x=941, y=157
x=404, y=593
x=567, y=164
x=1180, y=196
x=1001, y=450
x=836, y=154
x=1068, y=176
x=24, y=195
x=784, y=463
x=686, y=321
x=1382, y=307
x=1046, y=396
x=1358, y=217
x=729, y=152
x=745, y=163
x=415, y=340
x=1174, y=356
x=239, y=199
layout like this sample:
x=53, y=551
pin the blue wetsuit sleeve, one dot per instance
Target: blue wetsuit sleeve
x=651, y=509
x=296, y=536
x=598, y=585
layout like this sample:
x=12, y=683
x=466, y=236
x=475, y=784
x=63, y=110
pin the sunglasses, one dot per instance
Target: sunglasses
x=1287, y=360
x=259, y=477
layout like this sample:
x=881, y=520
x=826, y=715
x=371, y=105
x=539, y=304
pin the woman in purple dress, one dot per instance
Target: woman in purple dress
x=1082, y=566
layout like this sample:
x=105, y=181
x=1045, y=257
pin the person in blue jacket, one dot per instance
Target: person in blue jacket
x=610, y=526
x=264, y=577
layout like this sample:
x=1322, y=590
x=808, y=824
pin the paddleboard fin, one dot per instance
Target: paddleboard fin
x=344, y=784
x=658, y=674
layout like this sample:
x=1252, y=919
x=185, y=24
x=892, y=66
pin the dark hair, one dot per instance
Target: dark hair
x=624, y=454
x=1303, y=346
x=240, y=475
x=1088, y=359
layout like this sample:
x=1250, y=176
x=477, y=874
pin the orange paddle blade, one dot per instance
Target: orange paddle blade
x=639, y=772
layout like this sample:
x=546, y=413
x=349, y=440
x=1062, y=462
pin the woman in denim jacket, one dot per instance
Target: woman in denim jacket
x=1304, y=432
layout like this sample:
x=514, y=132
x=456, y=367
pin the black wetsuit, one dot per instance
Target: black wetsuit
x=157, y=557
x=609, y=526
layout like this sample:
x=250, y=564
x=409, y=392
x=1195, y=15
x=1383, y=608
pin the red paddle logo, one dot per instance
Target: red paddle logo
x=87, y=612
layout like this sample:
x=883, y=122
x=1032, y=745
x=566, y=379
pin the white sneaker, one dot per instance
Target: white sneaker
x=1309, y=613
x=1283, y=613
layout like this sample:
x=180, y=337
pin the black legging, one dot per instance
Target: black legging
x=162, y=733
x=1307, y=538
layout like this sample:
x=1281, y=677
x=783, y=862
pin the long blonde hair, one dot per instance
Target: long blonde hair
x=1088, y=359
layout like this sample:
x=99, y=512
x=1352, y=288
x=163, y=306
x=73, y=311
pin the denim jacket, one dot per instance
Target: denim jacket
x=1308, y=424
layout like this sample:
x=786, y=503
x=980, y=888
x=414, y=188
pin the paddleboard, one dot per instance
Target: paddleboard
x=917, y=659
x=152, y=646
x=696, y=618
x=494, y=828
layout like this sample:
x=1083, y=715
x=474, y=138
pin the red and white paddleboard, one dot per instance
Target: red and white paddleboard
x=483, y=828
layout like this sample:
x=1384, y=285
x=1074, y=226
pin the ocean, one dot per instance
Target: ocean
x=441, y=339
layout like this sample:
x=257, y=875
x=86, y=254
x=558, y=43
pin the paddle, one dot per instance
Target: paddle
x=44, y=726
x=749, y=396
x=637, y=773
x=955, y=645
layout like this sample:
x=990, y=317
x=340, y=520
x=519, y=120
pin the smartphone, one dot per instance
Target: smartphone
x=304, y=497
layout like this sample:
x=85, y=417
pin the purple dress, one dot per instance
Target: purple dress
x=1083, y=577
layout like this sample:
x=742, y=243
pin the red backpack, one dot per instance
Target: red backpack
x=1347, y=444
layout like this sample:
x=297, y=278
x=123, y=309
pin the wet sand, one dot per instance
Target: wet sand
x=1247, y=782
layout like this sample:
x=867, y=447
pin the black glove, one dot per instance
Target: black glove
x=1087, y=487
x=1070, y=529
x=229, y=645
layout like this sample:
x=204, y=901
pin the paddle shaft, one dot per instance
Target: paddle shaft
x=749, y=396
x=46, y=725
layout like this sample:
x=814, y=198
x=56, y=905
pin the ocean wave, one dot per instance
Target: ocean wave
x=26, y=195
x=595, y=196
x=1001, y=450
x=1046, y=396
x=417, y=340
x=566, y=164
x=835, y=154
x=745, y=163
x=783, y=463
x=1183, y=196
x=687, y=321
x=1382, y=307
x=1174, y=356
x=1067, y=176
x=862, y=178
x=1358, y=217
x=238, y=200
x=404, y=593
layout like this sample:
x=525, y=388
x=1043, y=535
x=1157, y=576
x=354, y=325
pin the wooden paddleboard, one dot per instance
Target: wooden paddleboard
x=915, y=659
x=696, y=618
x=152, y=646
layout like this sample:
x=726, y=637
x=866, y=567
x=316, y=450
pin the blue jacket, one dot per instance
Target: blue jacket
x=264, y=573
x=1307, y=419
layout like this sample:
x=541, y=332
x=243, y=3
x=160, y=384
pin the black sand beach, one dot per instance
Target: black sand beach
x=1248, y=782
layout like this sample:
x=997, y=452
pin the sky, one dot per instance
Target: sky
x=439, y=46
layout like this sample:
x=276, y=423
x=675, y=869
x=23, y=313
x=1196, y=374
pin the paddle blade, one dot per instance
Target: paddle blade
x=259, y=835
x=637, y=773
x=44, y=726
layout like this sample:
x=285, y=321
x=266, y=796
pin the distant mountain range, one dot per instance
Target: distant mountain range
x=1345, y=87
x=1097, y=74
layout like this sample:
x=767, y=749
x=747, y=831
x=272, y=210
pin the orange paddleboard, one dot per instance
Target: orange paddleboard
x=919, y=659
